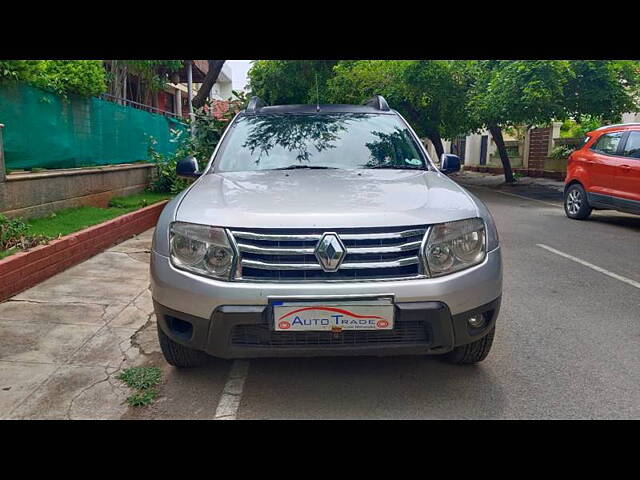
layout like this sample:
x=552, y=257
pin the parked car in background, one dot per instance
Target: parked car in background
x=605, y=172
x=324, y=230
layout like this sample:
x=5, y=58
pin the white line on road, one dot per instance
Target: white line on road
x=232, y=392
x=626, y=280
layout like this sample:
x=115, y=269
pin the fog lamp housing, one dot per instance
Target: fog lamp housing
x=476, y=321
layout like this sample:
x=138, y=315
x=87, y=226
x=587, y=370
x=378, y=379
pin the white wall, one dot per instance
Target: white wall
x=223, y=87
x=630, y=117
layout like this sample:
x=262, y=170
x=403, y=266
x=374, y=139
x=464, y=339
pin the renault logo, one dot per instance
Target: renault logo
x=330, y=252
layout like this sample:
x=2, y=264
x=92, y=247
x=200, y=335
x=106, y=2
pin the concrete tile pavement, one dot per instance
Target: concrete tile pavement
x=63, y=342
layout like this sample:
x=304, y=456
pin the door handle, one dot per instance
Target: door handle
x=625, y=167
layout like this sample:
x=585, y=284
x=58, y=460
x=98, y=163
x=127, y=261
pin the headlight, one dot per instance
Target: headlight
x=201, y=249
x=454, y=246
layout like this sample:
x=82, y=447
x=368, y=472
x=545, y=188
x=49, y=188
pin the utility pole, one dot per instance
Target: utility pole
x=2, y=170
x=190, y=93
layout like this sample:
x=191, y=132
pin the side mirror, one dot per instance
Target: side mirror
x=188, y=167
x=449, y=163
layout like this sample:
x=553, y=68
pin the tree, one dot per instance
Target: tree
x=602, y=89
x=81, y=77
x=512, y=93
x=430, y=94
x=148, y=76
x=291, y=81
x=215, y=67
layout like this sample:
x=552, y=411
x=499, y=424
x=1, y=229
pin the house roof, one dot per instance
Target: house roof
x=199, y=71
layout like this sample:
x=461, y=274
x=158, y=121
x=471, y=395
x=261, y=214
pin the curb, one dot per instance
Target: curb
x=526, y=172
x=23, y=270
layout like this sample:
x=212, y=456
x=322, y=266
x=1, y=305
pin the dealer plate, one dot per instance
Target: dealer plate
x=337, y=315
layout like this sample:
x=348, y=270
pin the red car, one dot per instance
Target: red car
x=605, y=172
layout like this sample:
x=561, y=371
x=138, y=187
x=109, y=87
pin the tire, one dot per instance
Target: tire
x=472, y=352
x=576, y=203
x=179, y=355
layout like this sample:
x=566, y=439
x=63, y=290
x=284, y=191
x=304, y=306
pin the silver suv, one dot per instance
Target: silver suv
x=324, y=230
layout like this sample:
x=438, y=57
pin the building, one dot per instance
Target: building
x=173, y=98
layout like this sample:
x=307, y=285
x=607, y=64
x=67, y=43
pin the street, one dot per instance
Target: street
x=566, y=346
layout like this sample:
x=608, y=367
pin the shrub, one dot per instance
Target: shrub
x=81, y=77
x=560, y=152
x=15, y=233
x=207, y=133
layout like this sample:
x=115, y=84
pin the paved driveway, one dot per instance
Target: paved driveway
x=566, y=345
x=62, y=341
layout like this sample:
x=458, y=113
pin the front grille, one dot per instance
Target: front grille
x=411, y=332
x=284, y=255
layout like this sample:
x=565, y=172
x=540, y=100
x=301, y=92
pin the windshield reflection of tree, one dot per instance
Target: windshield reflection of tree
x=295, y=133
x=391, y=149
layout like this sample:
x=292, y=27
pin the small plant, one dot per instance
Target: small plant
x=143, y=380
x=14, y=233
x=517, y=175
x=143, y=398
x=560, y=152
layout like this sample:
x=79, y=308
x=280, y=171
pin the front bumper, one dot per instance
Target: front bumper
x=433, y=311
x=244, y=331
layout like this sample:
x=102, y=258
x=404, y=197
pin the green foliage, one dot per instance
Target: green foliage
x=166, y=180
x=15, y=234
x=141, y=377
x=71, y=220
x=509, y=93
x=64, y=77
x=153, y=72
x=602, y=89
x=430, y=93
x=141, y=399
x=19, y=70
x=138, y=200
x=290, y=81
x=572, y=129
x=207, y=133
x=143, y=380
x=560, y=152
x=10, y=231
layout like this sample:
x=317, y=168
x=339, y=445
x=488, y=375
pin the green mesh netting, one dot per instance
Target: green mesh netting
x=44, y=130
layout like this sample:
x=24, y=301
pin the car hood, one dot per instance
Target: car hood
x=324, y=199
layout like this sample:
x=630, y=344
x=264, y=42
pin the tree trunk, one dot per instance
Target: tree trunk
x=496, y=133
x=215, y=66
x=437, y=144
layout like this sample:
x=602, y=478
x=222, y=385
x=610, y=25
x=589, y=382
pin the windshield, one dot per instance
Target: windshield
x=344, y=141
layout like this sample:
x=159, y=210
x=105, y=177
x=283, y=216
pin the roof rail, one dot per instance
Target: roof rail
x=378, y=102
x=633, y=124
x=255, y=104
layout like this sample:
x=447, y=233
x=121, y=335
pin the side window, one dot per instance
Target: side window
x=632, y=147
x=608, y=143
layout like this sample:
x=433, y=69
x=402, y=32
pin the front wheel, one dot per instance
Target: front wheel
x=473, y=352
x=576, y=205
x=179, y=355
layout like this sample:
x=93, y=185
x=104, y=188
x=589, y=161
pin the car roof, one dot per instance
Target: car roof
x=318, y=109
x=616, y=127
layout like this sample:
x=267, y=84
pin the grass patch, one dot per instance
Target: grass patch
x=69, y=220
x=6, y=253
x=141, y=377
x=138, y=200
x=142, y=399
x=143, y=380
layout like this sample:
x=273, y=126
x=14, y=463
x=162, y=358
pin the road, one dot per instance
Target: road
x=566, y=346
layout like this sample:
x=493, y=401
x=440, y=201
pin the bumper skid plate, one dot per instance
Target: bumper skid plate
x=246, y=331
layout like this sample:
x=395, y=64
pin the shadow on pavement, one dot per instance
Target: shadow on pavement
x=370, y=387
x=626, y=220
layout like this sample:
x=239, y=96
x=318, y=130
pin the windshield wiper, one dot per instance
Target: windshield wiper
x=398, y=167
x=295, y=167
